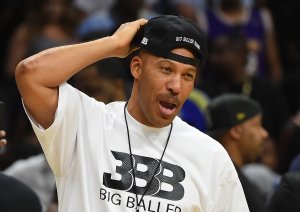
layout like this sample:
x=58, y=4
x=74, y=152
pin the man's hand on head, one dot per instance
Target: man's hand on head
x=124, y=36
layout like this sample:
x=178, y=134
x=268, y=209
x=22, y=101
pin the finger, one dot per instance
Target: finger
x=2, y=133
x=138, y=22
x=142, y=21
x=125, y=24
x=3, y=142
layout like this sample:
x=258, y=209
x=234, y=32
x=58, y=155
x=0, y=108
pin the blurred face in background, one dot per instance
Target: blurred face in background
x=226, y=60
x=252, y=136
x=101, y=88
x=269, y=154
x=54, y=10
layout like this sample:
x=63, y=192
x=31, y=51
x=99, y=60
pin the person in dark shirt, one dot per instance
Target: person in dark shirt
x=236, y=122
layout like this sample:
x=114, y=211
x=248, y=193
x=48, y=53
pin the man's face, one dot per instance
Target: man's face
x=224, y=60
x=54, y=9
x=162, y=86
x=252, y=137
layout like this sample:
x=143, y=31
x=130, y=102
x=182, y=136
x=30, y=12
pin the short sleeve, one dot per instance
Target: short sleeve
x=59, y=140
x=228, y=194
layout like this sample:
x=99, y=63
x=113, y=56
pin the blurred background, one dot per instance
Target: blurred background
x=254, y=50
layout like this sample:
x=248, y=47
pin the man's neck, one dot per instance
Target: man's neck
x=233, y=151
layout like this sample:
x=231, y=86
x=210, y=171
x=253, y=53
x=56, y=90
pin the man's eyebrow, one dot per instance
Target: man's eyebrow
x=161, y=59
x=173, y=62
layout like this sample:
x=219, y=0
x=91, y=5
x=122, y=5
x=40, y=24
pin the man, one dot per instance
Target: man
x=236, y=122
x=137, y=156
x=104, y=82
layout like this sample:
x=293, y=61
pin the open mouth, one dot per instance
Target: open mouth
x=167, y=105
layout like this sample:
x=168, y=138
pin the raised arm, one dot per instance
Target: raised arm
x=39, y=76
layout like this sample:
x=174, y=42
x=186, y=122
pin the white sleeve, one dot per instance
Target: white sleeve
x=59, y=140
x=231, y=198
x=229, y=194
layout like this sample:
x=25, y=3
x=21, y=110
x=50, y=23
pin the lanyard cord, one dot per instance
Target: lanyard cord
x=131, y=161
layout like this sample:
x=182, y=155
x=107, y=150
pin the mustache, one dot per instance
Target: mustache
x=168, y=97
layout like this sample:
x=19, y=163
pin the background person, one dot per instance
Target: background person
x=103, y=80
x=236, y=122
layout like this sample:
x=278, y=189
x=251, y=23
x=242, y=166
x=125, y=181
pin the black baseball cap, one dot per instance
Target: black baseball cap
x=164, y=33
x=229, y=110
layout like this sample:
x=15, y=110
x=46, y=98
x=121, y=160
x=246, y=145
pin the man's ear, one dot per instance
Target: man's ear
x=136, y=66
x=235, y=132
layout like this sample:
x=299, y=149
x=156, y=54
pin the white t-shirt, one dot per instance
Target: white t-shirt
x=87, y=149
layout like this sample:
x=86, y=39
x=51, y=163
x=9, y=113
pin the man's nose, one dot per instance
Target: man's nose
x=174, y=84
x=264, y=133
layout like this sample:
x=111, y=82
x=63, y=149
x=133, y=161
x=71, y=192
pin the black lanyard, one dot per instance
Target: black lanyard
x=131, y=161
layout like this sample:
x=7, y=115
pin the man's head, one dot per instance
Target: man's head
x=236, y=122
x=228, y=57
x=171, y=51
x=163, y=34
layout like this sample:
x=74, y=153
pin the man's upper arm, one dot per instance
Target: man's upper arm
x=40, y=101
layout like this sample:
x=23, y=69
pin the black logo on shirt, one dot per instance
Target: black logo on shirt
x=168, y=174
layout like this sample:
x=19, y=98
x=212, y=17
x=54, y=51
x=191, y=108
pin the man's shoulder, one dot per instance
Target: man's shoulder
x=188, y=129
x=117, y=106
x=194, y=136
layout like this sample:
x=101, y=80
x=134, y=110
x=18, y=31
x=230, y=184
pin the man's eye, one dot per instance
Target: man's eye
x=189, y=76
x=166, y=69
